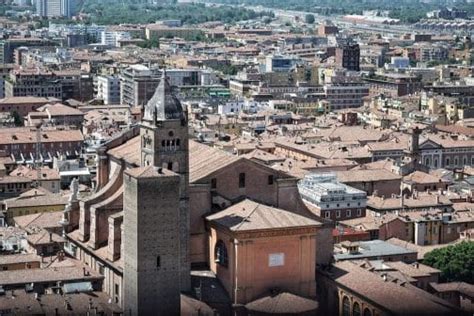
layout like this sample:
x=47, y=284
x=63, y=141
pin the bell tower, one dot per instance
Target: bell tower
x=156, y=210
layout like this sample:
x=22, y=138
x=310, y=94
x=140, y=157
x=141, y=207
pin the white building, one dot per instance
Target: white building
x=399, y=62
x=55, y=8
x=108, y=89
x=68, y=8
x=235, y=107
x=113, y=38
x=191, y=77
x=334, y=200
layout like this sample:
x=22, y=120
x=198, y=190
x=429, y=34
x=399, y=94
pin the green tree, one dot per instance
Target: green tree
x=17, y=120
x=309, y=19
x=455, y=262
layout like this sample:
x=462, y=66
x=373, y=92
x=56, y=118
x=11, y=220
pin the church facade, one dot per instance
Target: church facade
x=145, y=226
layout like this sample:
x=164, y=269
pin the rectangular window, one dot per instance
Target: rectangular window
x=338, y=213
x=359, y=212
x=242, y=180
x=327, y=214
x=348, y=213
x=158, y=262
x=213, y=183
x=270, y=179
x=276, y=259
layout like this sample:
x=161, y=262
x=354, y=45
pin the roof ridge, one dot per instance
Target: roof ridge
x=34, y=219
x=248, y=216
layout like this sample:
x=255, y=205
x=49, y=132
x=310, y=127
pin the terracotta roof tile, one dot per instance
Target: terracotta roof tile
x=399, y=298
x=249, y=215
x=283, y=303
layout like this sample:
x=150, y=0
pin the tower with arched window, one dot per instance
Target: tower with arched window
x=156, y=212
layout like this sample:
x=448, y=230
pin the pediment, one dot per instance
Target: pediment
x=429, y=144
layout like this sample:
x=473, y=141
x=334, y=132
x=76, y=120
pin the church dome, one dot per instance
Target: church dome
x=163, y=105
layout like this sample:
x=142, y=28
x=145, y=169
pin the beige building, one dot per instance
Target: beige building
x=256, y=248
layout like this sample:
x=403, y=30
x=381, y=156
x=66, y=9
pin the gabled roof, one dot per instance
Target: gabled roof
x=394, y=296
x=251, y=216
x=37, y=221
x=205, y=160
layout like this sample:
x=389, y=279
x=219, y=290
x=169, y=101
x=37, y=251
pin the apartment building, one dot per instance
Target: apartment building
x=138, y=84
x=108, y=89
x=332, y=199
x=345, y=95
x=33, y=82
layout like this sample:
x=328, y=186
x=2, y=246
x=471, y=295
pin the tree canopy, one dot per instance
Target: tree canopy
x=406, y=10
x=129, y=11
x=309, y=18
x=456, y=262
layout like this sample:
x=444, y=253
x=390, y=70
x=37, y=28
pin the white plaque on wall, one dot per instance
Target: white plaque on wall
x=276, y=259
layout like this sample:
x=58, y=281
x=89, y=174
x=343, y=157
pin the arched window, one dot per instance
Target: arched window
x=178, y=142
x=346, y=306
x=163, y=143
x=220, y=253
x=356, y=309
x=170, y=165
x=435, y=164
x=367, y=312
